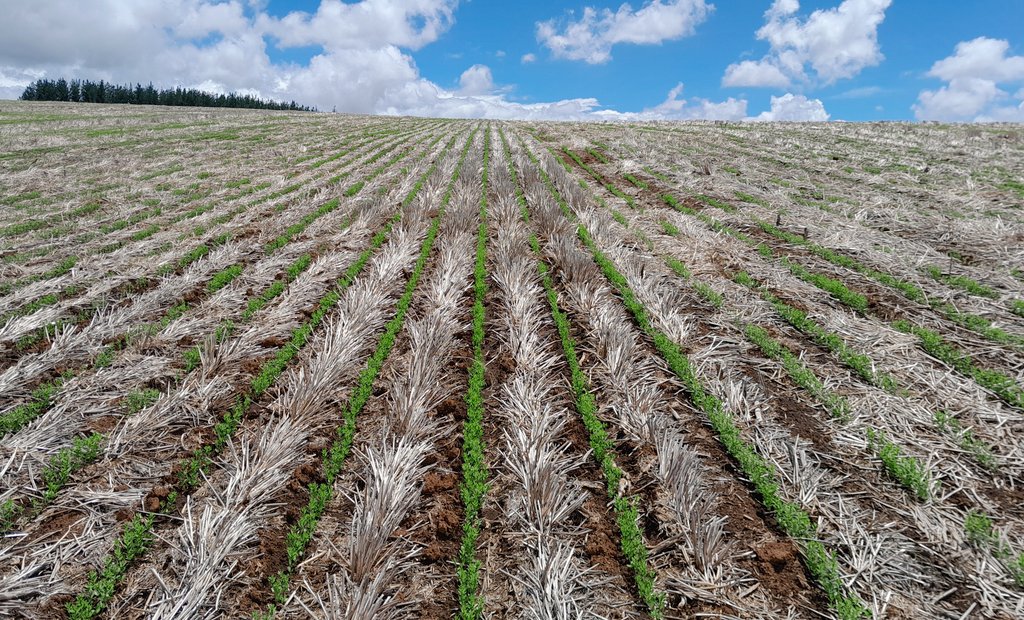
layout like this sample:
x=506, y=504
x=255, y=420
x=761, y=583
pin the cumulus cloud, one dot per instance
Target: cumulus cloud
x=528, y=58
x=756, y=73
x=591, y=37
x=361, y=64
x=368, y=68
x=836, y=43
x=972, y=93
x=793, y=108
x=476, y=80
x=338, y=25
x=674, y=107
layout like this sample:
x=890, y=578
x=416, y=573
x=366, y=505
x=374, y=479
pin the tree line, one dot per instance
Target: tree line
x=105, y=92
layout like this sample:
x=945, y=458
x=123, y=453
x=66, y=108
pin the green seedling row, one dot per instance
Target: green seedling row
x=138, y=534
x=792, y=519
x=474, y=465
x=934, y=344
x=631, y=539
x=334, y=457
x=798, y=372
x=1000, y=383
x=858, y=362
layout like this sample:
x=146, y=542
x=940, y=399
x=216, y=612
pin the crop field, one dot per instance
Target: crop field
x=277, y=364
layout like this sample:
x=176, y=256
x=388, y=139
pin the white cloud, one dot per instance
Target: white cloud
x=790, y=107
x=424, y=98
x=354, y=81
x=592, y=36
x=202, y=19
x=360, y=67
x=972, y=75
x=219, y=47
x=500, y=53
x=528, y=58
x=476, y=80
x=14, y=80
x=371, y=23
x=675, y=108
x=837, y=43
x=981, y=58
x=755, y=73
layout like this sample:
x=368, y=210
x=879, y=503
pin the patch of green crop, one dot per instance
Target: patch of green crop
x=58, y=470
x=1017, y=307
x=962, y=282
x=1001, y=384
x=21, y=228
x=801, y=375
x=13, y=200
x=223, y=278
x=140, y=399
x=217, y=135
x=907, y=470
x=979, y=528
x=791, y=518
x=42, y=398
x=714, y=202
x=1013, y=186
x=86, y=209
x=634, y=180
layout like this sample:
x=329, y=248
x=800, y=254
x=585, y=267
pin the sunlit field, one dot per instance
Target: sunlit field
x=287, y=364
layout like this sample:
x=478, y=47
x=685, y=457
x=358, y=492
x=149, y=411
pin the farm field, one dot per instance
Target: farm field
x=277, y=364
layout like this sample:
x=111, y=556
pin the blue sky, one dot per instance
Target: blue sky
x=914, y=35
x=841, y=59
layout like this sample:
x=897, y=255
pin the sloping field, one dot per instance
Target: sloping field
x=262, y=364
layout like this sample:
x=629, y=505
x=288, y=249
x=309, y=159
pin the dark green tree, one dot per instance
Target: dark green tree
x=103, y=92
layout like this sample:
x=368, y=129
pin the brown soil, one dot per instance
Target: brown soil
x=101, y=423
x=441, y=534
x=499, y=369
x=66, y=522
x=271, y=555
x=602, y=542
x=155, y=497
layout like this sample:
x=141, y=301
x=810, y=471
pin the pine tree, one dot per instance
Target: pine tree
x=102, y=92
